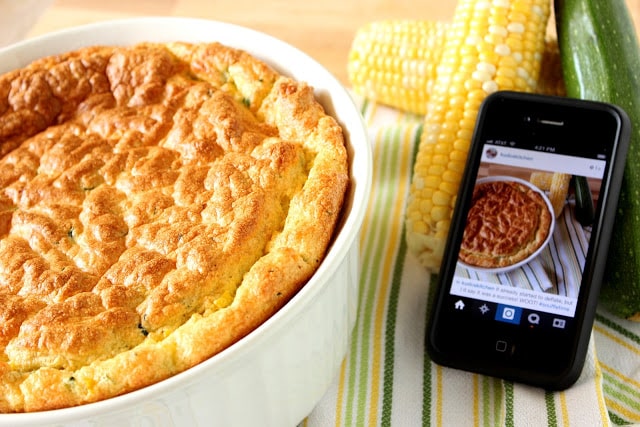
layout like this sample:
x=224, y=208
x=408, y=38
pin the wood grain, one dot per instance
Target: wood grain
x=324, y=29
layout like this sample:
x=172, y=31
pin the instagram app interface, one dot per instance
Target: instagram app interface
x=527, y=231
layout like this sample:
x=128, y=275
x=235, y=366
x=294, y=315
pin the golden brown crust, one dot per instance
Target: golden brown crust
x=157, y=203
x=507, y=222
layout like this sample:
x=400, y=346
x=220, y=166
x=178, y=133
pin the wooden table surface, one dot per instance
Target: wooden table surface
x=323, y=29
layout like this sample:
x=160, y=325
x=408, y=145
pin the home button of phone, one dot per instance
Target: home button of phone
x=501, y=346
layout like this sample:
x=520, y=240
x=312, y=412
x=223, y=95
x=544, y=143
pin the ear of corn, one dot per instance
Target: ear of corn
x=394, y=62
x=558, y=191
x=550, y=81
x=542, y=180
x=556, y=184
x=490, y=46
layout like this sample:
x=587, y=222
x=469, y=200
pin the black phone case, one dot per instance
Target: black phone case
x=593, y=273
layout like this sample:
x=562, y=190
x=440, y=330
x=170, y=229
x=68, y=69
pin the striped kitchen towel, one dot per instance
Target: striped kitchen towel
x=387, y=378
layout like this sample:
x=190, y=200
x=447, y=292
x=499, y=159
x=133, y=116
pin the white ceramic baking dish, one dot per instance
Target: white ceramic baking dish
x=279, y=372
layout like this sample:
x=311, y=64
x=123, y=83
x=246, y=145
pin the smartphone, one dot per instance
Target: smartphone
x=518, y=286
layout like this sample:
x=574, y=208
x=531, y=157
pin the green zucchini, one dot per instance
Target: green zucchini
x=601, y=62
x=584, y=201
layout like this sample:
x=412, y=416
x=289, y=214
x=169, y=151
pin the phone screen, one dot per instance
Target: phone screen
x=524, y=255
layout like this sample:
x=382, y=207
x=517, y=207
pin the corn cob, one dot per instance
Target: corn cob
x=394, y=62
x=490, y=46
x=556, y=184
x=559, y=191
x=550, y=81
x=542, y=180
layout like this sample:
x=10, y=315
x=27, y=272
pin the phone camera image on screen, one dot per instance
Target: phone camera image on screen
x=526, y=235
x=528, y=238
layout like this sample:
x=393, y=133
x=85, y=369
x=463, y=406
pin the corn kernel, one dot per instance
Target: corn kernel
x=451, y=176
x=440, y=198
x=419, y=227
x=439, y=213
x=448, y=187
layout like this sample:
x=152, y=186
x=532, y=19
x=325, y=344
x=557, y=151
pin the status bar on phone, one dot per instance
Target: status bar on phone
x=550, y=162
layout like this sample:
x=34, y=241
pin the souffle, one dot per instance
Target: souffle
x=158, y=202
x=507, y=222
